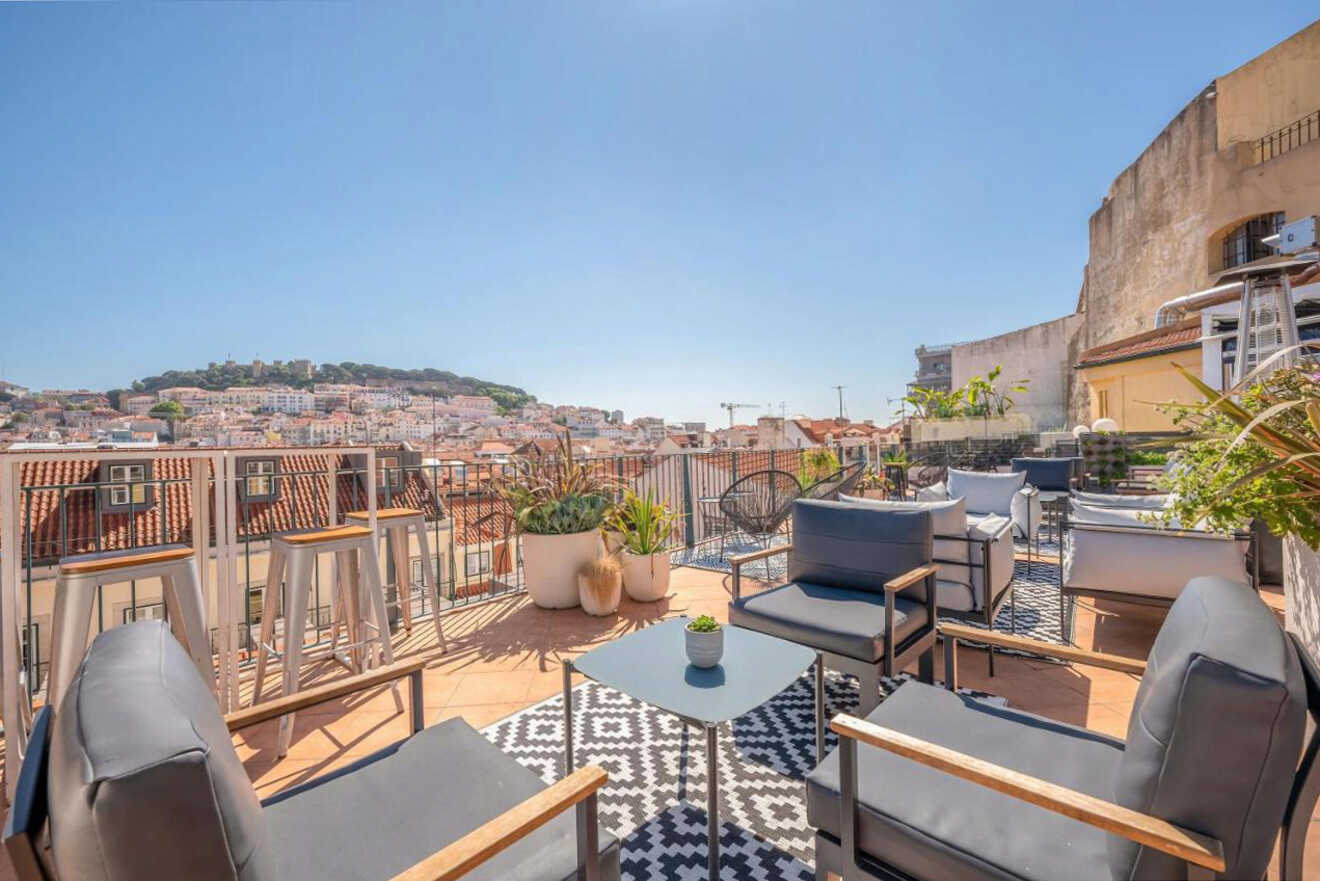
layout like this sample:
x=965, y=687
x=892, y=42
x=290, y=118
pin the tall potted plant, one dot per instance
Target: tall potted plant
x=558, y=506
x=1255, y=454
x=645, y=526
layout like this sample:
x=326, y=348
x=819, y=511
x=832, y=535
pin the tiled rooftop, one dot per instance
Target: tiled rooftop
x=505, y=655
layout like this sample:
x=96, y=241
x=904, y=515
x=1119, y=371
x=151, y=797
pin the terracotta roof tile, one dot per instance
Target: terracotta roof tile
x=1183, y=335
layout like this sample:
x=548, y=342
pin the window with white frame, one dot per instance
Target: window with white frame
x=477, y=562
x=388, y=472
x=145, y=612
x=260, y=477
x=134, y=489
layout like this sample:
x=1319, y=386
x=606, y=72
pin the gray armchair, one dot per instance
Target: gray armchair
x=936, y=785
x=138, y=778
x=861, y=590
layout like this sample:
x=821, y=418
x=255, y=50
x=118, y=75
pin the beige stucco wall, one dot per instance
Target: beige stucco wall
x=1134, y=386
x=1266, y=93
x=1042, y=354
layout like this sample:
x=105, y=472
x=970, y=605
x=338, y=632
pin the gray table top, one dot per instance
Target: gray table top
x=651, y=665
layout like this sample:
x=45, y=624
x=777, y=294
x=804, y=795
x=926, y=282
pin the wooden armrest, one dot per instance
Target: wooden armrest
x=1132, y=825
x=744, y=559
x=319, y=694
x=907, y=579
x=495, y=835
x=1039, y=647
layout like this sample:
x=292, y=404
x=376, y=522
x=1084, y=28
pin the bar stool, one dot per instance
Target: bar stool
x=359, y=591
x=394, y=524
x=75, y=593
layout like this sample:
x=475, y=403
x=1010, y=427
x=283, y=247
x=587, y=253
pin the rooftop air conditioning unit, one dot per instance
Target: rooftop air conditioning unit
x=1298, y=235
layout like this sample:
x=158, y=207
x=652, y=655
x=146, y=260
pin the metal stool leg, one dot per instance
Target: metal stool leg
x=369, y=577
x=429, y=585
x=182, y=591
x=350, y=608
x=295, y=620
x=396, y=542
x=269, y=603
x=71, y=621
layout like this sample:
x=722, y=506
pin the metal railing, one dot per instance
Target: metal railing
x=1290, y=137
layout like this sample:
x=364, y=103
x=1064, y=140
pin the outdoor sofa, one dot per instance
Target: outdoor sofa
x=937, y=785
x=1008, y=495
x=139, y=780
x=860, y=590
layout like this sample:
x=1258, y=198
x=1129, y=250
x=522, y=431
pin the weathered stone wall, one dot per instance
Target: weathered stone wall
x=1043, y=354
x=1266, y=93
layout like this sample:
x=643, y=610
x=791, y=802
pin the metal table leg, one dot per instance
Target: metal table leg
x=820, y=708
x=712, y=803
x=568, y=716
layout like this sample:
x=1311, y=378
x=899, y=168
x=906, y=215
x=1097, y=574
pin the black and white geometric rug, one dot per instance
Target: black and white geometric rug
x=656, y=796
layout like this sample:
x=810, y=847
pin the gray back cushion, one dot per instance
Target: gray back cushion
x=1047, y=474
x=1216, y=730
x=144, y=781
x=947, y=518
x=985, y=492
x=842, y=545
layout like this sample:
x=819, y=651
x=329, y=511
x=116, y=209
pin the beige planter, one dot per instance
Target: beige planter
x=551, y=564
x=1301, y=592
x=645, y=577
x=599, y=599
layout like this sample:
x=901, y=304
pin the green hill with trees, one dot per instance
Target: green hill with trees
x=428, y=380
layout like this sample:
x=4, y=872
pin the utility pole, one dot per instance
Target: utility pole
x=839, y=389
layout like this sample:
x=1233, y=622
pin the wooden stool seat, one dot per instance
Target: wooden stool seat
x=85, y=564
x=322, y=536
x=78, y=580
x=383, y=514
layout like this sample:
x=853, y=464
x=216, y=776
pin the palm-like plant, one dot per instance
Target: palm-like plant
x=556, y=495
x=645, y=523
x=1254, y=451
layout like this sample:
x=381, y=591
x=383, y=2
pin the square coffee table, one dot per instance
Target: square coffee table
x=651, y=666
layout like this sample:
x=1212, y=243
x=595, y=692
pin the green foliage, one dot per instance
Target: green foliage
x=817, y=464
x=1254, y=454
x=644, y=522
x=982, y=397
x=556, y=495
x=427, y=380
x=169, y=410
x=704, y=624
x=1147, y=457
x=1105, y=457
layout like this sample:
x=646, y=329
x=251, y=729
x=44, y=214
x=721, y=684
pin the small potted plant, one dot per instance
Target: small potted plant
x=704, y=641
x=599, y=583
x=645, y=525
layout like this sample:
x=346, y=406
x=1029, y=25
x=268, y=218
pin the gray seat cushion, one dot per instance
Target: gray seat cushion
x=833, y=619
x=859, y=548
x=1216, y=730
x=144, y=781
x=388, y=811
x=932, y=825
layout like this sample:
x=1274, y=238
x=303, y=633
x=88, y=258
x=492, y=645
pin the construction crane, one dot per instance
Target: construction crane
x=732, y=407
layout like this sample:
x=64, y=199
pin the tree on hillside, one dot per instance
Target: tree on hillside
x=170, y=411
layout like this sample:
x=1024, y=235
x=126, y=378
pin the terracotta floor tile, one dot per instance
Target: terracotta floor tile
x=491, y=688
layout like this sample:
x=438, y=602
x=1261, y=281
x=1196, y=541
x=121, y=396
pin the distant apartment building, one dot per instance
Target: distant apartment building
x=10, y=388
x=934, y=368
x=652, y=427
x=475, y=408
x=137, y=405
x=189, y=397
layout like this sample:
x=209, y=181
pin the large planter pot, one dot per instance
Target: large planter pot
x=551, y=564
x=1301, y=592
x=645, y=576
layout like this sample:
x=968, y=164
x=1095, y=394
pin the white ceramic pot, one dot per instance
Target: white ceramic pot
x=704, y=649
x=598, y=602
x=645, y=576
x=551, y=564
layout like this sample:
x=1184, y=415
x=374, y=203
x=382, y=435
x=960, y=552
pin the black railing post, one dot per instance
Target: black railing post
x=689, y=527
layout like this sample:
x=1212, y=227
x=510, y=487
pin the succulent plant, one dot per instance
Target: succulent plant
x=704, y=624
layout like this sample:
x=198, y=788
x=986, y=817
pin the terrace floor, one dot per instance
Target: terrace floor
x=505, y=655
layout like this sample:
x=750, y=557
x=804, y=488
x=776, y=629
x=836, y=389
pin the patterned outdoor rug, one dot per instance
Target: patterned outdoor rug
x=656, y=796
x=1034, y=611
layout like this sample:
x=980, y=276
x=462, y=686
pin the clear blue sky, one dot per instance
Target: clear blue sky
x=656, y=206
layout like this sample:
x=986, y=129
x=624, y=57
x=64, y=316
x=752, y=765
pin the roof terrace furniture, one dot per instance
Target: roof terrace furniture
x=843, y=481
x=971, y=551
x=896, y=474
x=650, y=665
x=1113, y=551
x=1055, y=478
x=759, y=503
x=1008, y=495
x=80, y=577
x=359, y=591
x=861, y=590
x=139, y=779
x=937, y=785
x=396, y=525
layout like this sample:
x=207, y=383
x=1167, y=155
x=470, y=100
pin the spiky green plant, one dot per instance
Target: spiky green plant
x=645, y=523
x=817, y=464
x=1254, y=451
x=556, y=495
